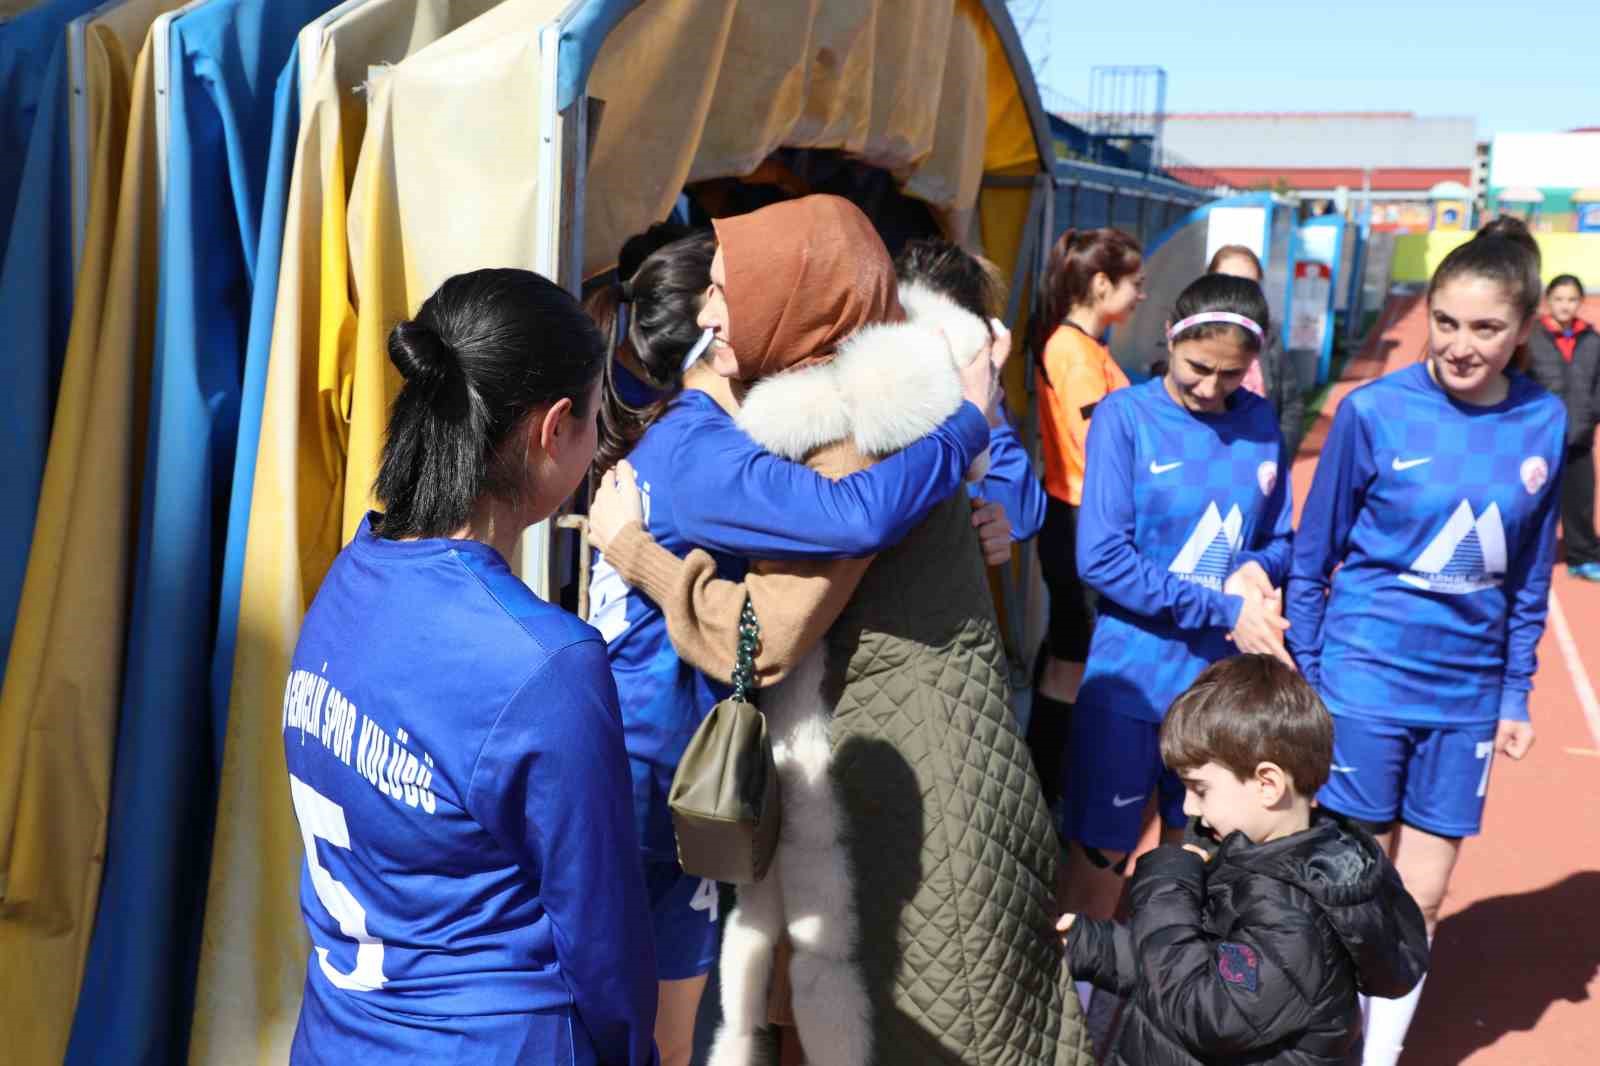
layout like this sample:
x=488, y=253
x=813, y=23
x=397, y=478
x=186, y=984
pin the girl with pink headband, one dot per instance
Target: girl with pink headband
x=1185, y=535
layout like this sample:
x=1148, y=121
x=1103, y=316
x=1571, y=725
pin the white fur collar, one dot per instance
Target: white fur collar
x=890, y=385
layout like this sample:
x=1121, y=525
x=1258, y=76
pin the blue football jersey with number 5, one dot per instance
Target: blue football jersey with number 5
x=471, y=878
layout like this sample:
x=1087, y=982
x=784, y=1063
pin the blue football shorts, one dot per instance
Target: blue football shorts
x=684, y=912
x=1113, y=765
x=1432, y=777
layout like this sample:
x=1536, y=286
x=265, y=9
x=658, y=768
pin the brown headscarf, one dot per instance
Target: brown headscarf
x=802, y=276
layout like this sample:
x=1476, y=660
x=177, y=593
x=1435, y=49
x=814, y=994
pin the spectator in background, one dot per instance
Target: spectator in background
x=1564, y=357
x=1272, y=376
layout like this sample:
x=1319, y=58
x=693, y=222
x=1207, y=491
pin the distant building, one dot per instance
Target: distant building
x=1392, y=159
x=1550, y=179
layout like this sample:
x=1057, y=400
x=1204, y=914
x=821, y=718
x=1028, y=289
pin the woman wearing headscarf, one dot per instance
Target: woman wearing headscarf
x=915, y=871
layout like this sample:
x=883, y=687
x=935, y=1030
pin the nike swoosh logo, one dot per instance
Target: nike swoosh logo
x=1162, y=468
x=1407, y=464
x=1343, y=769
x=1118, y=801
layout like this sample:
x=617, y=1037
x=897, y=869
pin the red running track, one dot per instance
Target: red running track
x=1516, y=961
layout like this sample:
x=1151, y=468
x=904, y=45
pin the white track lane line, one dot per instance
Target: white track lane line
x=1575, y=667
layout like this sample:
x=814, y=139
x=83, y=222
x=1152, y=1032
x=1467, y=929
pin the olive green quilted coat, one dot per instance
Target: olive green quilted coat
x=952, y=851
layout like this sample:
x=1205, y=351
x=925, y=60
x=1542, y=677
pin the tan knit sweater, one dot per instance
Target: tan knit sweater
x=796, y=601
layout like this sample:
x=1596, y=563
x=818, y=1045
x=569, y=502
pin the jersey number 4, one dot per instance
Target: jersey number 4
x=320, y=817
x=705, y=899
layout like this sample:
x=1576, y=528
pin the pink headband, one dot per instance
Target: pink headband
x=1206, y=317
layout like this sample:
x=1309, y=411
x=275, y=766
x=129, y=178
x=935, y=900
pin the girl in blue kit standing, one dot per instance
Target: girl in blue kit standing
x=455, y=753
x=737, y=502
x=1422, y=572
x=1184, y=533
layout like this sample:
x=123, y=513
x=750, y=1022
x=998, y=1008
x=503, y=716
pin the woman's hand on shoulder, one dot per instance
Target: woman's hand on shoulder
x=617, y=503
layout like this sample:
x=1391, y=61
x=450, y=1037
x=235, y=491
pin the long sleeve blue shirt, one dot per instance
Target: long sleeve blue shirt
x=455, y=754
x=1012, y=483
x=1422, y=566
x=707, y=485
x=1173, y=503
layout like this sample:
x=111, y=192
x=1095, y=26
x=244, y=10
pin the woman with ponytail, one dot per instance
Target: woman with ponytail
x=1421, y=576
x=1093, y=281
x=707, y=484
x=471, y=883
x=1185, y=538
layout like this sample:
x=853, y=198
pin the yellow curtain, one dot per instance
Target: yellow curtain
x=58, y=709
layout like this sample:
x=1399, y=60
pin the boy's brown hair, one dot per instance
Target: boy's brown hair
x=1247, y=710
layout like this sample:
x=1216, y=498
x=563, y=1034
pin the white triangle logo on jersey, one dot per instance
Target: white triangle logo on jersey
x=1467, y=555
x=1207, y=556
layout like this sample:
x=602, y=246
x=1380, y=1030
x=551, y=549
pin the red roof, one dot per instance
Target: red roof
x=1384, y=179
x=1191, y=116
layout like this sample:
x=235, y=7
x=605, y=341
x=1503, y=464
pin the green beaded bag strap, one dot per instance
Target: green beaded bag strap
x=744, y=660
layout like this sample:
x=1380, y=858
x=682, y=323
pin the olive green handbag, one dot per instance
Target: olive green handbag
x=724, y=797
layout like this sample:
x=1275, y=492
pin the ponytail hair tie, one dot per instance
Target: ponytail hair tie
x=1205, y=318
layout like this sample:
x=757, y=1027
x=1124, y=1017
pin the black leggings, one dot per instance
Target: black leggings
x=1071, y=601
x=1577, y=506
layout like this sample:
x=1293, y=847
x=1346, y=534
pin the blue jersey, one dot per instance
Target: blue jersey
x=455, y=756
x=1441, y=520
x=1173, y=503
x=707, y=485
x=1012, y=483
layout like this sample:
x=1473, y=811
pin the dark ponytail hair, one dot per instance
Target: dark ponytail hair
x=485, y=351
x=1222, y=292
x=662, y=299
x=1075, y=258
x=1504, y=252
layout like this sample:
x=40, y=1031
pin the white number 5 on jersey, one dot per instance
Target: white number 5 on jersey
x=319, y=816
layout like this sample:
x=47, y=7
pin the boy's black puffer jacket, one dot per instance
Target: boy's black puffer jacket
x=1256, y=956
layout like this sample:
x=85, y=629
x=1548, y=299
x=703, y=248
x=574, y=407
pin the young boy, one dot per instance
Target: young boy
x=1255, y=947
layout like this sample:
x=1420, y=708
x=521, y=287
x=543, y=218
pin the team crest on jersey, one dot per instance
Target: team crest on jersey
x=1207, y=556
x=1267, y=477
x=1535, y=472
x=1467, y=555
x=1239, y=965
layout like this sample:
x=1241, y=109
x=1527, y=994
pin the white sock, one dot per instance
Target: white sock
x=1085, y=994
x=1388, y=1021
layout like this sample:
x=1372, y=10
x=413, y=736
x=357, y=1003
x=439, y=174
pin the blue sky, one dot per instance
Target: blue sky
x=1515, y=66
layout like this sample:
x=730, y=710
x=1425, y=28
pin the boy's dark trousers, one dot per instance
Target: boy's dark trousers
x=1577, y=506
